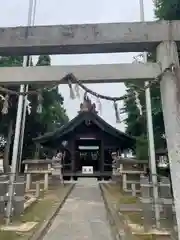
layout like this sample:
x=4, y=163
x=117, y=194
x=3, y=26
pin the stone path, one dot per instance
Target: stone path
x=83, y=215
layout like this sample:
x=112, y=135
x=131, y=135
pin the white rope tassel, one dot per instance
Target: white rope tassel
x=116, y=113
x=39, y=107
x=5, y=105
x=138, y=102
x=76, y=88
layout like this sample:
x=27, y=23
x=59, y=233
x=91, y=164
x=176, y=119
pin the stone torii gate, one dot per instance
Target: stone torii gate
x=161, y=36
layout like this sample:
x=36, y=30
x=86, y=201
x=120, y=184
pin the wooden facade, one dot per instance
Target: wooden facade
x=87, y=141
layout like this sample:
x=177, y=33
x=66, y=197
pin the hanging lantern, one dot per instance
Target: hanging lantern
x=5, y=105
x=39, y=107
x=116, y=113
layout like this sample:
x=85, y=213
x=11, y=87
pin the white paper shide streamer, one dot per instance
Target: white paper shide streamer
x=28, y=107
x=40, y=100
x=99, y=105
x=77, y=91
x=5, y=105
x=116, y=113
x=138, y=104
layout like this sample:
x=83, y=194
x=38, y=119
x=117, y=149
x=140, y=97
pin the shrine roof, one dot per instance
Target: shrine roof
x=80, y=118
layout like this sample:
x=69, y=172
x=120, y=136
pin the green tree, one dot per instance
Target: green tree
x=8, y=121
x=167, y=10
x=164, y=10
x=135, y=124
x=53, y=113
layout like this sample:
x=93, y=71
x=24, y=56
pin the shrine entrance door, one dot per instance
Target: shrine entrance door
x=87, y=160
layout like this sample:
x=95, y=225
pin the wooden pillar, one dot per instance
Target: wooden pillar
x=102, y=156
x=73, y=155
x=37, y=151
x=170, y=95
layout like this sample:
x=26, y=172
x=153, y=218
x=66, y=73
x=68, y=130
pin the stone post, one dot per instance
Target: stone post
x=28, y=181
x=146, y=200
x=3, y=194
x=133, y=188
x=37, y=189
x=165, y=195
x=18, y=199
x=121, y=167
x=46, y=181
x=124, y=181
x=170, y=96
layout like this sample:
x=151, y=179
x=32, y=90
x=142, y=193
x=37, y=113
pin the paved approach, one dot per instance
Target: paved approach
x=83, y=216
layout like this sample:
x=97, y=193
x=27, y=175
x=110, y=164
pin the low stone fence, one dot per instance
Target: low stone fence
x=18, y=196
x=131, y=181
x=127, y=173
x=131, y=164
x=165, y=202
x=37, y=167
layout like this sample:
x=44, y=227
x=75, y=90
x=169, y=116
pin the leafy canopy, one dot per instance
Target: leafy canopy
x=135, y=123
x=53, y=113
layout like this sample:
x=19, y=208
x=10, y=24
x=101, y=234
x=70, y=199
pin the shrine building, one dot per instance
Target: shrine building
x=88, y=142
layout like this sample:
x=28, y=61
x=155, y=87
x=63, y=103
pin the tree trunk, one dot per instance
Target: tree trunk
x=7, y=147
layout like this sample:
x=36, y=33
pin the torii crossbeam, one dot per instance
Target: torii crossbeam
x=103, y=73
x=87, y=38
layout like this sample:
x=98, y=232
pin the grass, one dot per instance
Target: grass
x=38, y=212
x=117, y=197
x=120, y=197
x=134, y=217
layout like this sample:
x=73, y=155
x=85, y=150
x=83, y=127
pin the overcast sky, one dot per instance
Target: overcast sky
x=14, y=13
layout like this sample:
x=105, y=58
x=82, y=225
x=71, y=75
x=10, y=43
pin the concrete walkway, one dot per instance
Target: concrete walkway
x=83, y=215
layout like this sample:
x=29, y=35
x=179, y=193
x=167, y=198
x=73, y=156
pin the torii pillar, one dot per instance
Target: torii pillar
x=170, y=96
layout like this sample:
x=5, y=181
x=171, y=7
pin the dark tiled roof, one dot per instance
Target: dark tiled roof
x=71, y=125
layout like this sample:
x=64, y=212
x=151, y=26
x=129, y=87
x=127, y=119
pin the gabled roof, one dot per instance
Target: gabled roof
x=82, y=116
